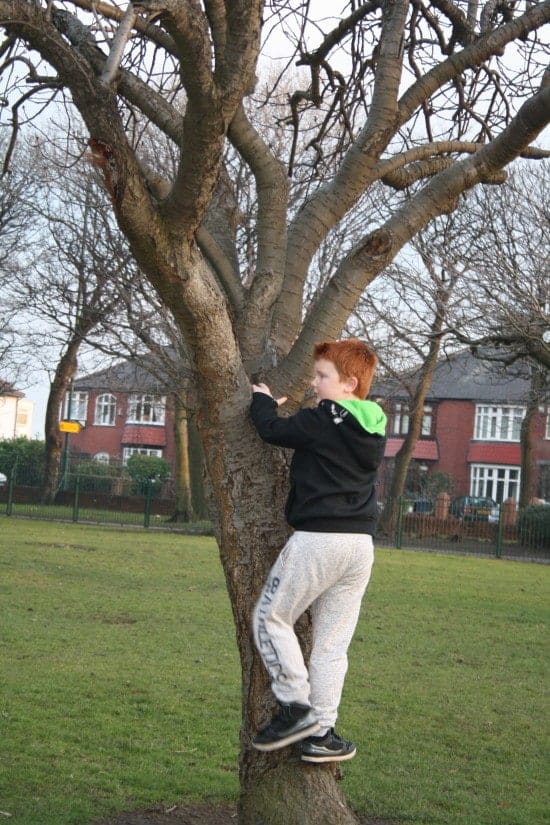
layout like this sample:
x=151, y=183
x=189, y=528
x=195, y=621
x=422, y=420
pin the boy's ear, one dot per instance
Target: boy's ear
x=352, y=383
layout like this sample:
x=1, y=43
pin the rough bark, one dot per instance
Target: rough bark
x=252, y=477
x=64, y=372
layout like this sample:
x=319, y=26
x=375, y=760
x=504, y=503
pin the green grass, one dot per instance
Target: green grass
x=120, y=681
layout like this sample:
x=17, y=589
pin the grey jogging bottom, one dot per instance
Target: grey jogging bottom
x=329, y=573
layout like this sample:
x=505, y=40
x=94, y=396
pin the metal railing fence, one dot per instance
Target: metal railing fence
x=100, y=500
x=524, y=534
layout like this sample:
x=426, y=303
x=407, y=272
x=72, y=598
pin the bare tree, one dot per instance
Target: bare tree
x=505, y=315
x=406, y=317
x=16, y=186
x=78, y=281
x=413, y=97
x=67, y=285
x=509, y=307
x=145, y=333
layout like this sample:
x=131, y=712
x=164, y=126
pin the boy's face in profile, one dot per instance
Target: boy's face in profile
x=328, y=384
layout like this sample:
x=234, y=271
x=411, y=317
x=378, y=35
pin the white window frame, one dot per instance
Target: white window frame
x=496, y=481
x=145, y=408
x=79, y=406
x=103, y=406
x=400, y=424
x=130, y=451
x=427, y=418
x=401, y=420
x=498, y=423
x=102, y=458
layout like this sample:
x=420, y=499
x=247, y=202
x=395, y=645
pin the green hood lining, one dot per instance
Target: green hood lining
x=368, y=413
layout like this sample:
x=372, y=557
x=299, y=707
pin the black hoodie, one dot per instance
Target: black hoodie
x=337, y=449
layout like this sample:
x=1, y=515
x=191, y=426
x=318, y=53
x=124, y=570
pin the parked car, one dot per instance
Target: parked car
x=3, y=480
x=423, y=505
x=473, y=508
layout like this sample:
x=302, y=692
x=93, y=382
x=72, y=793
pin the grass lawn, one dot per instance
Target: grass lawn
x=120, y=681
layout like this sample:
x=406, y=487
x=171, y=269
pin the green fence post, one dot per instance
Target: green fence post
x=148, y=498
x=76, y=497
x=399, y=526
x=11, y=485
x=500, y=531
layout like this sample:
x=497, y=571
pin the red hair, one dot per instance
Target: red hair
x=352, y=359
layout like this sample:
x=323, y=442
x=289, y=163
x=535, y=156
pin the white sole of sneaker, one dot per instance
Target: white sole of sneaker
x=288, y=740
x=328, y=758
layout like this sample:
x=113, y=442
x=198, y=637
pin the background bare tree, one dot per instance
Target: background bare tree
x=416, y=98
x=144, y=333
x=406, y=317
x=17, y=189
x=67, y=284
x=505, y=315
x=510, y=287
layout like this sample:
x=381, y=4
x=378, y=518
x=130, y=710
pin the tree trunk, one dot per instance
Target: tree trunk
x=184, y=506
x=65, y=371
x=249, y=482
x=294, y=793
x=197, y=471
x=526, y=491
x=403, y=457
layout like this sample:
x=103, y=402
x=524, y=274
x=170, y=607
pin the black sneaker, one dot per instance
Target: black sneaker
x=327, y=748
x=292, y=723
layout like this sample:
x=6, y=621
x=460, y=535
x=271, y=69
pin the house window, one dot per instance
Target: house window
x=496, y=482
x=427, y=421
x=76, y=406
x=146, y=409
x=102, y=458
x=400, y=420
x=129, y=451
x=498, y=423
x=105, y=407
x=400, y=423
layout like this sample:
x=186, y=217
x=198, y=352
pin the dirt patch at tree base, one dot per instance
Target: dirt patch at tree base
x=198, y=814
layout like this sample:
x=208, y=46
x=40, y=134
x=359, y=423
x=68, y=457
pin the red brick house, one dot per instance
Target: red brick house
x=471, y=429
x=122, y=410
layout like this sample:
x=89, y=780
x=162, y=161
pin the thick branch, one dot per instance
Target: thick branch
x=152, y=104
x=221, y=266
x=236, y=73
x=475, y=54
x=387, y=167
x=325, y=209
x=272, y=192
x=123, y=34
x=463, y=31
x=215, y=11
x=372, y=255
x=152, y=33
